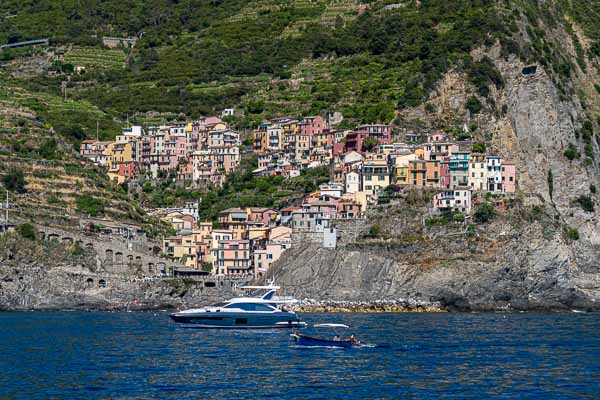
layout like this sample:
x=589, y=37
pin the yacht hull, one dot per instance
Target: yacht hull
x=238, y=320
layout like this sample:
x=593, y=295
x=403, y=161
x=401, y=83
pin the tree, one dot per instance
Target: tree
x=48, y=149
x=206, y=266
x=571, y=152
x=14, y=181
x=370, y=143
x=479, y=148
x=26, y=231
x=473, y=105
x=484, y=213
x=586, y=203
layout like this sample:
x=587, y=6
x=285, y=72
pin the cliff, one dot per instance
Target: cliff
x=524, y=260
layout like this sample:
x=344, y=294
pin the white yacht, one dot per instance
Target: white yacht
x=263, y=309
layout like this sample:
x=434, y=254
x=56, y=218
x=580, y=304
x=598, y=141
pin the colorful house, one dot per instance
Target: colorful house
x=417, y=173
x=453, y=200
x=509, y=177
x=478, y=172
x=233, y=257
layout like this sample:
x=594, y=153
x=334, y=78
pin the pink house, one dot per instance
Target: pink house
x=355, y=139
x=312, y=125
x=348, y=209
x=445, y=172
x=263, y=258
x=437, y=137
x=509, y=177
x=325, y=208
x=233, y=257
x=262, y=215
x=127, y=170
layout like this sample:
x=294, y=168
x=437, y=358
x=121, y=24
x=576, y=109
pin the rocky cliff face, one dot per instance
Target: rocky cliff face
x=523, y=260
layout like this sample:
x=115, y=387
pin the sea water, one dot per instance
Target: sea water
x=411, y=355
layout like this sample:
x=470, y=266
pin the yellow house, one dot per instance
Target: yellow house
x=183, y=249
x=420, y=153
x=401, y=162
x=117, y=153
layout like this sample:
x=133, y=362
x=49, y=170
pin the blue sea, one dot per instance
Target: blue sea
x=429, y=356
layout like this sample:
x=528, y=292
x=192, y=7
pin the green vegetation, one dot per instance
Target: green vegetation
x=484, y=213
x=550, y=183
x=593, y=189
x=479, y=148
x=206, y=266
x=338, y=58
x=572, y=233
x=90, y=205
x=370, y=143
x=458, y=218
x=26, y=231
x=586, y=203
x=571, y=152
x=473, y=105
x=14, y=180
x=435, y=220
x=375, y=231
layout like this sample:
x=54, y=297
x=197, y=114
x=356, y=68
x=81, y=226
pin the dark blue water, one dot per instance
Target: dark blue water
x=144, y=355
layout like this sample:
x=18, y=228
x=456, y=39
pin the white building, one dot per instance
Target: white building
x=332, y=189
x=352, y=182
x=494, y=174
x=453, y=200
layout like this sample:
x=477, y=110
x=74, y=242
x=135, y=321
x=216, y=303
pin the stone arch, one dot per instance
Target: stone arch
x=108, y=255
x=89, y=282
x=210, y=284
x=67, y=240
x=118, y=257
x=151, y=268
x=89, y=246
x=129, y=258
x=102, y=283
x=138, y=258
x=53, y=237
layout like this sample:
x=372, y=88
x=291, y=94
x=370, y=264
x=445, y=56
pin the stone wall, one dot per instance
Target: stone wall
x=113, y=256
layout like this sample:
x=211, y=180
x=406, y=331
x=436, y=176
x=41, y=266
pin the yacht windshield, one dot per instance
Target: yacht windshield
x=223, y=304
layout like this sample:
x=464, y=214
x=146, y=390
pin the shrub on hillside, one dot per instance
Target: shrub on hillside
x=26, y=231
x=572, y=233
x=473, y=105
x=484, y=213
x=90, y=205
x=479, y=148
x=586, y=203
x=375, y=231
x=14, y=181
x=458, y=218
x=571, y=152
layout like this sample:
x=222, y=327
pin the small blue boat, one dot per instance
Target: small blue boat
x=310, y=341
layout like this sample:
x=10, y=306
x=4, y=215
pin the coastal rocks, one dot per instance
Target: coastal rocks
x=383, y=306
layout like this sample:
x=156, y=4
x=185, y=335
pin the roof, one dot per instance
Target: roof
x=232, y=210
x=322, y=203
x=294, y=208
